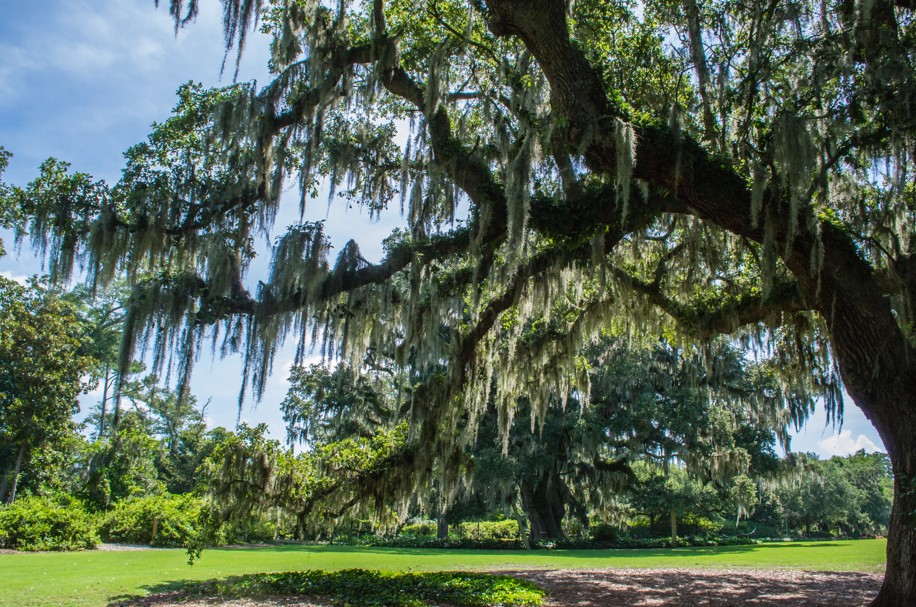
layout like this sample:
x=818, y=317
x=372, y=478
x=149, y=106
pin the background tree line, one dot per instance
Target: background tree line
x=664, y=447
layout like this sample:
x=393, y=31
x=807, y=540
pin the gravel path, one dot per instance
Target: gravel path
x=651, y=588
x=126, y=547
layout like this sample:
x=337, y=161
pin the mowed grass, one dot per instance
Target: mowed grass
x=98, y=578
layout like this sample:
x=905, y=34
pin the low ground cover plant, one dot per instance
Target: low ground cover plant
x=360, y=587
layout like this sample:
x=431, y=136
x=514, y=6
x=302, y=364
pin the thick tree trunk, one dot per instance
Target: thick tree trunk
x=299, y=533
x=442, y=527
x=545, y=510
x=899, y=587
x=11, y=497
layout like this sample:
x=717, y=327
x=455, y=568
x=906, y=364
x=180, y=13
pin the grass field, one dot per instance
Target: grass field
x=96, y=578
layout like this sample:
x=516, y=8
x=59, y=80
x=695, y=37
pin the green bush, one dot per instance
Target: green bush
x=256, y=529
x=420, y=529
x=358, y=588
x=505, y=530
x=483, y=531
x=46, y=523
x=603, y=532
x=409, y=541
x=157, y=520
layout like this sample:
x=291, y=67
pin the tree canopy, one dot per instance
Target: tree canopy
x=690, y=169
x=42, y=364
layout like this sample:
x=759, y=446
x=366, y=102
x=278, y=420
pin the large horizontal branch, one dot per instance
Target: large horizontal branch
x=726, y=314
x=435, y=248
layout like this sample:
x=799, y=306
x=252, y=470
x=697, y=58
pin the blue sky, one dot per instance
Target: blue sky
x=82, y=80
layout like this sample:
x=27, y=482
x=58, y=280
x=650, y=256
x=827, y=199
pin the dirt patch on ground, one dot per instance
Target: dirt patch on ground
x=704, y=588
x=646, y=588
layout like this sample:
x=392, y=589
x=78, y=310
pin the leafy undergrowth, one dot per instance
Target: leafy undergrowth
x=363, y=588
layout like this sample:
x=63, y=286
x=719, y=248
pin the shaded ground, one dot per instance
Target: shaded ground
x=704, y=588
x=650, y=588
x=180, y=599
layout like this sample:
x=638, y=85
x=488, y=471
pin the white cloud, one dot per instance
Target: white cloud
x=844, y=444
x=16, y=61
x=96, y=392
x=280, y=378
x=20, y=278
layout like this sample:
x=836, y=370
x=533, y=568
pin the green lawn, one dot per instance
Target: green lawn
x=95, y=578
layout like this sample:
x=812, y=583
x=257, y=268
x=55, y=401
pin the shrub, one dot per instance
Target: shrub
x=419, y=529
x=483, y=531
x=46, y=523
x=603, y=532
x=358, y=587
x=490, y=530
x=157, y=520
x=258, y=528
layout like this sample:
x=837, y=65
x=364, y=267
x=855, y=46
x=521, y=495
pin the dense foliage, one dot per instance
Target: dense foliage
x=36, y=523
x=660, y=448
x=157, y=520
x=359, y=588
x=42, y=364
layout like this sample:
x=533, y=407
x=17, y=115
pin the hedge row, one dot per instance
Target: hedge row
x=623, y=542
x=35, y=523
x=63, y=523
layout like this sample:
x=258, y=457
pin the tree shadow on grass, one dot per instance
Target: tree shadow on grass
x=162, y=593
x=197, y=592
x=583, y=553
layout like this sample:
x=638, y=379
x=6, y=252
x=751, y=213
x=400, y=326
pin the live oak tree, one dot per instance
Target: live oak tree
x=715, y=416
x=700, y=167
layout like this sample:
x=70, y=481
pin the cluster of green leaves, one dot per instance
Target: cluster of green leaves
x=324, y=403
x=8, y=210
x=42, y=368
x=158, y=520
x=507, y=529
x=248, y=472
x=359, y=588
x=842, y=495
x=43, y=523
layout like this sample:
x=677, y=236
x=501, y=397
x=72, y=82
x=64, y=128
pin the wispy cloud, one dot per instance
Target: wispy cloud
x=20, y=278
x=844, y=444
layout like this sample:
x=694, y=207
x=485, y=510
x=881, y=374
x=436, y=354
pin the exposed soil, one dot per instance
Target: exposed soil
x=704, y=588
x=650, y=588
